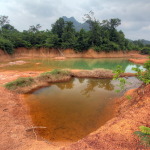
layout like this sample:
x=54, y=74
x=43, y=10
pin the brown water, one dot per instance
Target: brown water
x=72, y=110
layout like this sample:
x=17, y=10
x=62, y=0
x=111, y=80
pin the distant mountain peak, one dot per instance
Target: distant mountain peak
x=77, y=25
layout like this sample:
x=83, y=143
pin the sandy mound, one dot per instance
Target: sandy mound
x=139, y=61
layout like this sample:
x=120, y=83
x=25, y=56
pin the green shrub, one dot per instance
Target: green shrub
x=145, y=50
x=144, y=135
x=97, y=48
x=113, y=46
x=20, y=82
x=6, y=46
x=122, y=81
x=144, y=76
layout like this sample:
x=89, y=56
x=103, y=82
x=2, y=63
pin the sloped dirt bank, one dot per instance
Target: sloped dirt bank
x=4, y=56
x=15, y=120
x=69, y=53
x=117, y=134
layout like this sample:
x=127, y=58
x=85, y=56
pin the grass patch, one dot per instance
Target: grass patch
x=20, y=82
x=56, y=72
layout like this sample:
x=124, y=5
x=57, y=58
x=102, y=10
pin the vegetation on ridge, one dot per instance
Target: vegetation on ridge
x=102, y=36
x=56, y=72
x=20, y=82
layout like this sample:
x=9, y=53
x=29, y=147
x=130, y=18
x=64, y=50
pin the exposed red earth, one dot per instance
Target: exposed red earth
x=116, y=134
x=139, y=61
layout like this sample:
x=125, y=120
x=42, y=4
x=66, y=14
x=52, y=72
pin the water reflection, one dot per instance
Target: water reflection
x=73, y=109
x=93, y=83
x=130, y=67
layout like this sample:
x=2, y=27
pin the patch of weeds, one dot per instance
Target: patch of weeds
x=129, y=97
x=122, y=81
x=56, y=72
x=45, y=73
x=20, y=82
x=144, y=135
x=144, y=76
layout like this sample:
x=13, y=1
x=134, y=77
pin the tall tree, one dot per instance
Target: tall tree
x=3, y=20
x=95, y=31
x=58, y=27
x=115, y=22
x=8, y=27
x=82, y=41
x=68, y=36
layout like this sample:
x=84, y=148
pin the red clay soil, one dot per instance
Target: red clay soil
x=8, y=76
x=69, y=53
x=4, y=56
x=139, y=61
x=15, y=121
x=116, y=134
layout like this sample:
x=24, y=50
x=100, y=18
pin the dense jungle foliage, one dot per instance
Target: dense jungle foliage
x=102, y=36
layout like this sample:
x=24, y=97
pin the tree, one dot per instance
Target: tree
x=52, y=41
x=95, y=30
x=114, y=23
x=34, y=29
x=8, y=27
x=3, y=20
x=68, y=36
x=102, y=36
x=82, y=42
x=6, y=46
x=58, y=27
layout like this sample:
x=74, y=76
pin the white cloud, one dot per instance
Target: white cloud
x=146, y=28
x=133, y=13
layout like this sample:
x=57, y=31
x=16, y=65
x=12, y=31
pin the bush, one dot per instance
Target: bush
x=145, y=50
x=6, y=46
x=97, y=48
x=144, y=76
x=20, y=82
x=144, y=135
x=113, y=46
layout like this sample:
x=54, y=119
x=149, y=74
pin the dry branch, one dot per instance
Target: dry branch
x=36, y=127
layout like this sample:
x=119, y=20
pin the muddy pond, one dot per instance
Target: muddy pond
x=74, y=109
x=71, y=110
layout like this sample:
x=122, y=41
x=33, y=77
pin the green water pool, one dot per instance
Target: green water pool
x=45, y=64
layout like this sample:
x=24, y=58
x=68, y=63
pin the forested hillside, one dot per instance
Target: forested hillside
x=101, y=36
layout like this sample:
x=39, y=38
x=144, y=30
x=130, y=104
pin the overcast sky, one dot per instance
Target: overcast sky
x=134, y=14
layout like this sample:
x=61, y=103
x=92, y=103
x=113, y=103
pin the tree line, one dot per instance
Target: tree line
x=102, y=36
